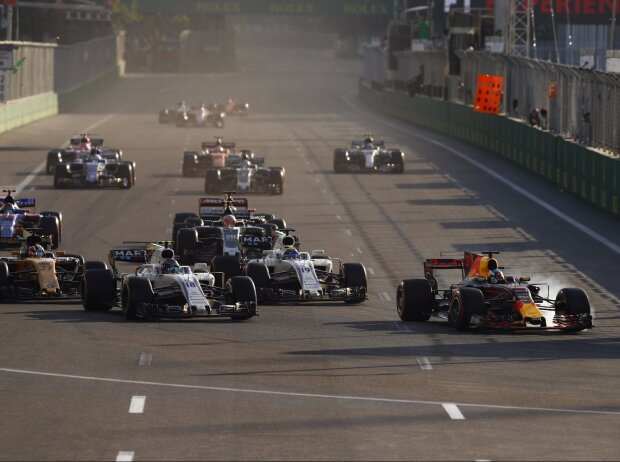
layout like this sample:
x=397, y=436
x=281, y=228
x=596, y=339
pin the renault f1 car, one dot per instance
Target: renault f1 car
x=18, y=221
x=200, y=116
x=369, y=155
x=35, y=272
x=159, y=287
x=486, y=298
x=94, y=171
x=82, y=145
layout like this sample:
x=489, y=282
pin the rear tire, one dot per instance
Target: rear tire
x=53, y=159
x=414, y=300
x=340, y=160
x=98, y=290
x=279, y=222
x=276, y=182
x=189, y=164
x=259, y=274
x=136, y=291
x=212, y=182
x=124, y=173
x=229, y=265
x=398, y=160
x=185, y=245
x=50, y=227
x=95, y=264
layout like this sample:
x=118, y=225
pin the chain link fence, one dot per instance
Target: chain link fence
x=579, y=104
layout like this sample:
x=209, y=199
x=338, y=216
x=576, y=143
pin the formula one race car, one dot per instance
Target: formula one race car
x=81, y=145
x=200, y=116
x=169, y=115
x=94, y=169
x=223, y=227
x=162, y=288
x=244, y=173
x=17, y=222
x=213, y=155
x=286, y=275
x=35, y=272
x=231, y=107
x=369, y=155
x=487, y=298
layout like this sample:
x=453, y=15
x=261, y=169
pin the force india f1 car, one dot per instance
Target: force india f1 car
x=162, y=288
x=487, y=298
x=17, y=222
x=83, y=144
x=37, y=273
x=93, y=170
x=369, y=155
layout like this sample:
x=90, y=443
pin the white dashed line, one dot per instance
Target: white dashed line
x=348, y=232
x=305, y=395
x=371, y=272
x=338, y=217
x=146, y=358
x=384, y=296
x=453, y=411
x=172, y=201
x=358, y=250
x=168, y=230
x=318, y=180
x=425, y=364
x=176, y=190
x=124, y=456
x=171, y=215
x=307, y=162
x=137, y=404
x=324, y=191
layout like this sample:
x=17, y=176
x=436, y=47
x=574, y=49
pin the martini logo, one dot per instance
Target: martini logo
x=252, y=241
x=129, y=254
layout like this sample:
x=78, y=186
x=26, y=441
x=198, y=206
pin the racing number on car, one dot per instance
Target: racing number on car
x=306, y=270
x=190, y=284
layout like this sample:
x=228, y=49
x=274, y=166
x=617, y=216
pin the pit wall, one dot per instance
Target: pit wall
x=582, y=172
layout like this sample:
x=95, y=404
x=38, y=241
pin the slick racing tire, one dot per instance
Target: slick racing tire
x=4, y=275
x=398, y=161
x=227, y=264
x=279, y=222
x=95, y=264
x=98, y=290
x=572, y=301
x=340, y=161
x=189, y=164
x=53, y=159
x=213, y=182
x=60, y=173
x=124, y=173
x=354, y=275
x=50, y=227
x=186, y=241
x=241, y=290
x=53, y=213
x=468, y=302
x=414, y=300
x=136, y=291
x=180, y=217
x=276, y=182
x=259, y=274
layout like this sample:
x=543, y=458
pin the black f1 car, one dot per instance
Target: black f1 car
x=487, y=298
x=369, y=155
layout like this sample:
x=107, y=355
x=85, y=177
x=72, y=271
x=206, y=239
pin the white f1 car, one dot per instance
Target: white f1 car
x=162, y=288
x=369, y=155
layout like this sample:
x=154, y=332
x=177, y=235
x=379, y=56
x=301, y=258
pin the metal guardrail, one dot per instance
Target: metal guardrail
x=585, y=109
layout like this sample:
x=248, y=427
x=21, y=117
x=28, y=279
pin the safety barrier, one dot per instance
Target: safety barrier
x=582, y=172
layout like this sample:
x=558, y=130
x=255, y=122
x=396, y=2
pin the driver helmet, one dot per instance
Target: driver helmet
x=85, y=140
x=368, y=140
x=36, y=251
x=170, y=266
x=496, y=277
x=229, y=221
x=290, y=254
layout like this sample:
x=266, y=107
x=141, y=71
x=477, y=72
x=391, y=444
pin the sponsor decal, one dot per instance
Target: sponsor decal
x=292, y=8
x=365, y=8
x=129, y=254
x=250, y=241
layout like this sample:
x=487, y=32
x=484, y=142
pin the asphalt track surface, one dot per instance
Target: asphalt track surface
x=313, y=382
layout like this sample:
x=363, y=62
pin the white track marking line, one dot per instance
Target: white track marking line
x=318, y=180
x=385, y=296
x=172, y=201
x=424, y=363
x=338, y=217
x=358, y=250
x=453, y=411
x=516, y=188
x=348, y=232
x=124, y=456
x=371, y=272
x=136, y=406
x=168, y=231
x=301, y=395
x=324, y=191
x=26, y=181
x=146, y=358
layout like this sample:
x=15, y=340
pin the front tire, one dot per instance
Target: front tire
x=354, y=275
x=98, y=290
x=241, y=289
x=136, y=292
x=467, y=302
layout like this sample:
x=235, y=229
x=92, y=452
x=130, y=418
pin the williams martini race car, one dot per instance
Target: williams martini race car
x=169, y=115
x=161, y=288
x=284, y=274
x=200, y=116
x=18, y=220
x=94, y=170
x=368, y=155
x=82, y=144
x=245, y=173
x=35, y=272
x=487, y=298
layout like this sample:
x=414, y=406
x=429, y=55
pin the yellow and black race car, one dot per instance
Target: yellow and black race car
x=487, y=298
x=35, y=272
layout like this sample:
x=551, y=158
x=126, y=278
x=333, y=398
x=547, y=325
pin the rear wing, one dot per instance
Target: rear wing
x=432, y=264
x=93, y=141
x=22, y=202
x=219, y=202
x=213, y=145
x=360, y=143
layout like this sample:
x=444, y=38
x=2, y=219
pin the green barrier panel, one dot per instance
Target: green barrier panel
x=19, y=112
